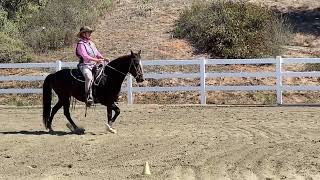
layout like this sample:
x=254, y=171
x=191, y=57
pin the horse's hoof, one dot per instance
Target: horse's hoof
x=69, y=126
x=51, y=131
x=110, y=129
x=79, y=131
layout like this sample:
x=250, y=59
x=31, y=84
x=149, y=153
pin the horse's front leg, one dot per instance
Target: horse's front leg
x=116, y=110
x=111, y=119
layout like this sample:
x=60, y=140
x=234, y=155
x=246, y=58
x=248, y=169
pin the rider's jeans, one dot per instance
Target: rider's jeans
x=87, y=73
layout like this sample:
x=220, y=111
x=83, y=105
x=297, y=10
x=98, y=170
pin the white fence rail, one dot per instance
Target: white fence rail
x=202, y=75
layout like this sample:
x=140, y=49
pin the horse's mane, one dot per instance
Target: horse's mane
x=119, y=59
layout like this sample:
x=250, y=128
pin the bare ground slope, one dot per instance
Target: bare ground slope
x=147, y=25
x=136, y=25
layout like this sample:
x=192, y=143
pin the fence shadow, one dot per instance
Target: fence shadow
x=37, y=133
x=303, y=19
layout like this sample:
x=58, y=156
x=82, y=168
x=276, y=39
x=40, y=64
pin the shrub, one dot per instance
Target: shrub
x=12, y=50
x=233, y=29
x=55, y=25
x=43, y=25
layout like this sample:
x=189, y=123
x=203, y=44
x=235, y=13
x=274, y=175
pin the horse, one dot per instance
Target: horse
x=106, y=92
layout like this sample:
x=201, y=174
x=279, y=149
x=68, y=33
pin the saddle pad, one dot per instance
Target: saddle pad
x=77, y=74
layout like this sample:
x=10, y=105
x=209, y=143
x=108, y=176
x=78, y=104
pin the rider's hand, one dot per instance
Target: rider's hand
x=107, y=60
x=99, y=61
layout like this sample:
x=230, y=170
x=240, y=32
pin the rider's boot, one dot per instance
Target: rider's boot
x=89, y=99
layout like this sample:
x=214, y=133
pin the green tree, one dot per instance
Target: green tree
x=14, y=7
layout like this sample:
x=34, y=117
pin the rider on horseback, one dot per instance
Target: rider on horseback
x=89, y=57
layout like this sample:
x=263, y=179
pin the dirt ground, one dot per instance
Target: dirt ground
x=179, y=143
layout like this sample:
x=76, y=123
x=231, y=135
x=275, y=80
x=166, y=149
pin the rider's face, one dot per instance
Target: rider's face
x=87, y=35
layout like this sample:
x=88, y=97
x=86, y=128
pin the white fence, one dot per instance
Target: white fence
x=202, y=74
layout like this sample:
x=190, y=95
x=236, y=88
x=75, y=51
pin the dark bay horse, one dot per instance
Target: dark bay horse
x=65, y=85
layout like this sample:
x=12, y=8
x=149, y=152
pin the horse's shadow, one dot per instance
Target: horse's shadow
x=38, y=133
x=303, y=19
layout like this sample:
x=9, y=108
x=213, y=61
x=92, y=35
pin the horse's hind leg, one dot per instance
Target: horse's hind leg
x=53, y=112
x=66, y=107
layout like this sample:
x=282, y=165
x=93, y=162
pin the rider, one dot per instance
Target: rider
x=89, y=57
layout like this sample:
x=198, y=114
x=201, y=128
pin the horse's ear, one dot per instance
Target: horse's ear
x=132, y=53
x=139, y=52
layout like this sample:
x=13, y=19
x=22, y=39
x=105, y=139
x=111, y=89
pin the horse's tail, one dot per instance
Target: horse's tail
x=46, y=99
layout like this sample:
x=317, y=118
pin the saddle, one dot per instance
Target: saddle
x=96, y=73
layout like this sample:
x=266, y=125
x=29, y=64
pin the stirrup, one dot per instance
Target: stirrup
x=89, y=102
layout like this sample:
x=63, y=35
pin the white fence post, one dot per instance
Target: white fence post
x=129, y=93
x=279, y=80
x=58, y=65
x=203, y=81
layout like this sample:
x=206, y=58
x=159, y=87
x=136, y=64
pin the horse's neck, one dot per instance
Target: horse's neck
x=116, y=75
x=117, y=79
x=119, y=67
x=122, y=64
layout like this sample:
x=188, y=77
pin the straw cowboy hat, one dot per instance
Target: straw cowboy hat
x=84, y=29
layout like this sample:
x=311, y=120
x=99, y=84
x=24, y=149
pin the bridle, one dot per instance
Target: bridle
x=139, y=72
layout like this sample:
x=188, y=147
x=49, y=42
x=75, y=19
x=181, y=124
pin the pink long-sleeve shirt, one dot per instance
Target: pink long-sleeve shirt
x=81, y=50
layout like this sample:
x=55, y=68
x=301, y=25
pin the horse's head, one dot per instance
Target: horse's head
x=136, y=69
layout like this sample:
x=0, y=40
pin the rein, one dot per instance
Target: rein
x=117, y=69
x=75, y=77
x=125, y=74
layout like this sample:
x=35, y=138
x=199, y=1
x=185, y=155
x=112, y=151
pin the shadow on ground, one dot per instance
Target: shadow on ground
x=57, y=133
x=303, y=20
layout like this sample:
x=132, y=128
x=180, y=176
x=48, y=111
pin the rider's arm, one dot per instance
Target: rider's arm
x=99, y=55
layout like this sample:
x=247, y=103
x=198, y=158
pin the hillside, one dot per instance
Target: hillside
x=147, y=25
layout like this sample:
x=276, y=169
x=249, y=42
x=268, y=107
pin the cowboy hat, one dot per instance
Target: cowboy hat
x=84, y=29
